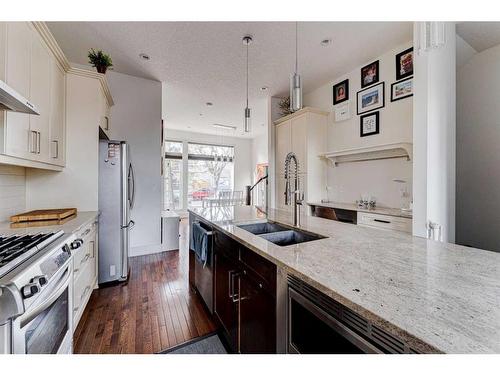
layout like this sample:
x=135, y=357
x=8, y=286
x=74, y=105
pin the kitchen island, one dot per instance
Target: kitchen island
x=436, y=297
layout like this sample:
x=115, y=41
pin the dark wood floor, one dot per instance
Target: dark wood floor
x=154, y=311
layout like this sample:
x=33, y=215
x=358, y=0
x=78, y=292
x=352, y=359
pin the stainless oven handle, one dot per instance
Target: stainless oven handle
x=30, y=315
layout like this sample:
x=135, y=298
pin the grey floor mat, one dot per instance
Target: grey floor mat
x=208, y=345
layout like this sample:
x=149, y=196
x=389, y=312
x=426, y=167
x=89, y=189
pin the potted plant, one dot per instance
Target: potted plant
x=100, y=60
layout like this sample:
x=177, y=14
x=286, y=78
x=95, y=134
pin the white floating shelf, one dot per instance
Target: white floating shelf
x=388, y=151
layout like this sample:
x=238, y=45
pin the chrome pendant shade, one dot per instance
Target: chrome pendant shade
x=247, y=40
x=295, y=80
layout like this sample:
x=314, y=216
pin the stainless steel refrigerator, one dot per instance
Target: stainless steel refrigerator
x=116, y=200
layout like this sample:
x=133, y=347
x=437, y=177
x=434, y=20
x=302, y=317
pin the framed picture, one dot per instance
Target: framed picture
x=342, y=112
x=402, y=89
x=369, y=74
x=341, y=92
x=404, y=64
x=371, y=98
x=369, y=124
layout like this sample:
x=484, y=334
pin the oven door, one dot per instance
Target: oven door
x=46, y=328
x=312, y=330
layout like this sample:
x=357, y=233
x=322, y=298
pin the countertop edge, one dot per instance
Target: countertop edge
x=413, y=341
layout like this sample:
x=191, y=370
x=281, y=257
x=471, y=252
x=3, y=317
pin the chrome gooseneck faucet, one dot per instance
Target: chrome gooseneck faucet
x=295, y=197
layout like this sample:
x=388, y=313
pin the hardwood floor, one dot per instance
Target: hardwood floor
x=154, y=311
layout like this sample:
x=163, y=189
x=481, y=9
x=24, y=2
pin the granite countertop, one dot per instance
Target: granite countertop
x=82, y=218
x=437, y=297
x=354, y=207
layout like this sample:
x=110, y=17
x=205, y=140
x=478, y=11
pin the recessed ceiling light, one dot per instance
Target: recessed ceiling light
x=201, y=114
x=225, y=127
x=209, y=104
x=326, y=42
x=264, y=88
x=144, y=57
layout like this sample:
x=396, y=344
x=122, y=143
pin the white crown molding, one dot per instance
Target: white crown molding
x=100, y=77
x=300, y=112
x=50, y=41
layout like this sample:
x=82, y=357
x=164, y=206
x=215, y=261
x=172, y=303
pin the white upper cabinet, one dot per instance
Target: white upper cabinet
x=105, y=121
x=30, y=66
x=57, y=115
x=17, y=54
x=40, y=94
x=283, y=145
x=304, y=133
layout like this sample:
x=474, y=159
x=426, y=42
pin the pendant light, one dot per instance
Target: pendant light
x=295, y=81
x=247, y=40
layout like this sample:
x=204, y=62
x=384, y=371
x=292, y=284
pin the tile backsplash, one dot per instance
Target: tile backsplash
x=12, y=191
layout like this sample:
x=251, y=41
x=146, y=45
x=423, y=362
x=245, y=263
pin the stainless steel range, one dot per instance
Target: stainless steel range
x=36, y=292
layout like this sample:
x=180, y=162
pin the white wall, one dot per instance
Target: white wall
x=12, y=191
x=136, y=118
x=349, y=181
x=243, y=167
x=478, y=153
x=434, y=134
x=259, y=151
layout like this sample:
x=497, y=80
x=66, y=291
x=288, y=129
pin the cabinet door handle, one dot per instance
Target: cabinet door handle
x=230, y=282
x=87, y=288
x=382, y=221
x=84, y=260
x=38, y=137
x=33, y=141
x=235, y=295
x=86, y=232
x=106, y=119
x=55, y=149
x=93, y=248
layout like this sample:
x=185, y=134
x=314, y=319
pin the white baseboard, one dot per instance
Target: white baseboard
x=147, y=249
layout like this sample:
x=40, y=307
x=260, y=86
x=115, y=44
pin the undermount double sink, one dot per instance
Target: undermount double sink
x=279, y=234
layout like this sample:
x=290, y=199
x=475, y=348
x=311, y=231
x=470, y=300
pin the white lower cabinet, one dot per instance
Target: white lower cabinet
x=84, y=270
x=387, y=222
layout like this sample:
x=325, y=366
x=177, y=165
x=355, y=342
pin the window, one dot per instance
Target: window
x=209, y=169
x=210, y=172
x=173, y=176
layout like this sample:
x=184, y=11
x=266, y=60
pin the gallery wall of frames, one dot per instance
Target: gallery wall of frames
x=372, y=104
x=385, y=121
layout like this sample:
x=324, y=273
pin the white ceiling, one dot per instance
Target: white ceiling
x=480, y=35
x=205, y=61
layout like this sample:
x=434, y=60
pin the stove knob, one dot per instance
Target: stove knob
x=29, y=290
x=40, y=280
x=66, y=249
x=76, y=244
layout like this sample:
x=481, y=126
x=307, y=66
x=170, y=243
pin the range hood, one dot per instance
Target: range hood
x=11, y=100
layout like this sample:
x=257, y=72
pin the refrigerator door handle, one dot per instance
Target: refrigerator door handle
x=130, y=225
x=131, y=179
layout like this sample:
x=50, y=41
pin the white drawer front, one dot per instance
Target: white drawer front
x=385, y=222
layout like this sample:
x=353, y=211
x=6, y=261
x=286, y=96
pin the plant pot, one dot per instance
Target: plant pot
x=101, y=69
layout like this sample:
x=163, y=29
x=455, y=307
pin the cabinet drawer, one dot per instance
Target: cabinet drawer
x=81, y=288
x=87, y=230
x=262, y=267
x=85, y=253
x=385, y=222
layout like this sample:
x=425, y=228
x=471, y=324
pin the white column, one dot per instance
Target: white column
x=434, y=127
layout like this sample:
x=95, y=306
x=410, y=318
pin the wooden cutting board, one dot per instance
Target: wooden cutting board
x=43, y=215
